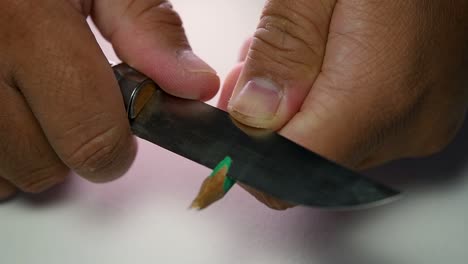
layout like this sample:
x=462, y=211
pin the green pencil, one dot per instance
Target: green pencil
x=215, y=186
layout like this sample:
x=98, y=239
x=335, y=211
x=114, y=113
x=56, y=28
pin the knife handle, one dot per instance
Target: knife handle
x=135, y=87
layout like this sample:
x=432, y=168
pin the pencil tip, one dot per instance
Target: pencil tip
x=195, y=206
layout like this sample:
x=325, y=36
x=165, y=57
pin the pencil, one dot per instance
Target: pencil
x=215, y=186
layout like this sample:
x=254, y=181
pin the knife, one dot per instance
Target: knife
x=265, y=161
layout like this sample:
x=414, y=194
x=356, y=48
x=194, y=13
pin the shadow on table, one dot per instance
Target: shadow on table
x=330, y=238
x=329, y=235
x=442, y=168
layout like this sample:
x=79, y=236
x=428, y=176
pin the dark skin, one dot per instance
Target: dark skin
x=60, y=105
x=361, y=82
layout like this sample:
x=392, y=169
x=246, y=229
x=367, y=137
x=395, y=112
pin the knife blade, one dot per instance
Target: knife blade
x=267, y=162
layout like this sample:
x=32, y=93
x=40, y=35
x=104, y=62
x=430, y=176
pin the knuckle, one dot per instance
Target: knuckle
x=288, y=39
x=83, y=6
x=159, y=14
x=267, y=199
x=97, y=152
x=439, y=140
x=7, y=190
x=14, y=11
x=27, y=161
x=430, y=148
x=162, y=13
x=10, y=5
x=149, y=16
x=276, y=204
x=38, y=179
x=11, y=13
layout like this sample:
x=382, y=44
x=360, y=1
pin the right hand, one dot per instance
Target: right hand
x=60, y=105
x=360, y=82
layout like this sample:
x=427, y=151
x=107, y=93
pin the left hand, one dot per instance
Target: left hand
x=60, y=105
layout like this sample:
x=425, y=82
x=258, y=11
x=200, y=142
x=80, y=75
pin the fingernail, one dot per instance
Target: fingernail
x=192, y=63
x=257, y=102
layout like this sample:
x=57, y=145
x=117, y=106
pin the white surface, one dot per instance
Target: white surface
x=143, y=217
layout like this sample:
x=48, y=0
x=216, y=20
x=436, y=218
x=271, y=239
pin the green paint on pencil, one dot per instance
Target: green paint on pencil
x=215, y=186
x=228, y=182
x=227, y=161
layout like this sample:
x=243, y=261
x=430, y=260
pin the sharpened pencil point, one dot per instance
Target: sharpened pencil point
x=215, y=186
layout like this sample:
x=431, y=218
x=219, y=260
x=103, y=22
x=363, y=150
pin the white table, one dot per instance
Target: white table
x=143, y=217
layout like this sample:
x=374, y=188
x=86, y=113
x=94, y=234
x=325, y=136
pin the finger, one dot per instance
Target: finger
x=26, y=158
x=226, y=92
x=267, y=199
x=149, y=36
x=6, y=189
x=245, y=49
x=283, y=61
x=68, y=84
x=228, y=86
x=232, y=77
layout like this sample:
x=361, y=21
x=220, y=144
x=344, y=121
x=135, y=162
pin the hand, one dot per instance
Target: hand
x=60, y=105
x=360, y=82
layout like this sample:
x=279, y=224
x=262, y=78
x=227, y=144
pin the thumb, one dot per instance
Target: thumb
x=148, y=35
x=282, y=63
